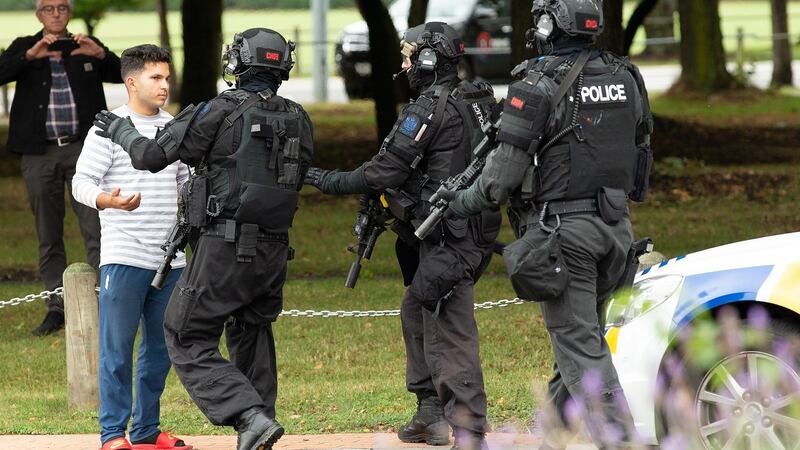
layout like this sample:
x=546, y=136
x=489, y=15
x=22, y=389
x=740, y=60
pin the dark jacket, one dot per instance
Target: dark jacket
x=29, y=109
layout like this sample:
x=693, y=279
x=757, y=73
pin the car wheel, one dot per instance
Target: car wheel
x=747, y=397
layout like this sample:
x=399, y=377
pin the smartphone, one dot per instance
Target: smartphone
x=64, y=45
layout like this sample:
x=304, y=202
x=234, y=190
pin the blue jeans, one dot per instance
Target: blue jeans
x=126, y=299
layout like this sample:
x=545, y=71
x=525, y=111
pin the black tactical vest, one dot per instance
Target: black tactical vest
x=474, y=103
x=601, y=151
x=260, y=180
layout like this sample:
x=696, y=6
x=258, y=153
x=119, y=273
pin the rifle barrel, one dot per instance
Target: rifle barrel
x=352, y=275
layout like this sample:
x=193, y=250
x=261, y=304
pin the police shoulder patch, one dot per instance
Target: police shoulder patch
x=410, y=125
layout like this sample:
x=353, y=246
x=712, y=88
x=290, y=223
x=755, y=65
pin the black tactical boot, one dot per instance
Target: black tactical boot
x=428, y=424
x=466, y=440
x=53, y=321
x=257, y=431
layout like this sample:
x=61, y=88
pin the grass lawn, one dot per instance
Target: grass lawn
x=339, y=375
x=336, y=375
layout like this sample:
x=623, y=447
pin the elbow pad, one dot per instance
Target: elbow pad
x=170, y=138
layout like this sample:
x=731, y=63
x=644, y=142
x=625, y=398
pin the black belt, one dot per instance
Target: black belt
x=229, y=229
x=63, y=141
x=565, y=207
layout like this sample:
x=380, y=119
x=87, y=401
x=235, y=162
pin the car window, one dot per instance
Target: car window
x=455, y=9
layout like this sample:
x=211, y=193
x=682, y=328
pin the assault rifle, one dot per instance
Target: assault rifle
x=439, y=206
x=370, y=223
x=176, y=241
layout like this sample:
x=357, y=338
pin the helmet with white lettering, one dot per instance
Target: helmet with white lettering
x=573, y=17
x=259, y=48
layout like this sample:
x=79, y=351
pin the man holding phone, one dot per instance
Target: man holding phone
x=59, y=88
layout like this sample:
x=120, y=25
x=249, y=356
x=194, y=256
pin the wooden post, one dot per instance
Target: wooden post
x=82, y=336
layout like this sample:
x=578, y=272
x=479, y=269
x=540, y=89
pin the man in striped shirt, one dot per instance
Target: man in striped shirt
x=137, y=209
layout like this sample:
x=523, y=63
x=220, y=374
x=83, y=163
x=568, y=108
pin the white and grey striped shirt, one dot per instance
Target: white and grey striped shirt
x=133, y=237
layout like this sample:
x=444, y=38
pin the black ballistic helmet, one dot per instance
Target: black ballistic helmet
x=573, y=17
x=259, y=48
x=437, y=36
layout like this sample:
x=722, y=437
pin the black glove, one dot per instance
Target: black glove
x=105, y=120
x=315, y=176
x=444, y=194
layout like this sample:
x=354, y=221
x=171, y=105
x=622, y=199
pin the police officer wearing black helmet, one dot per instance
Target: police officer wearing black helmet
x=250, y=149
x=574, y=146
x=432, y=140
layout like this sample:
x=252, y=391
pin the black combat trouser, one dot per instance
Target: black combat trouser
x=442, y=353
x=214, y=288
x=45, y=177
x=595, y=254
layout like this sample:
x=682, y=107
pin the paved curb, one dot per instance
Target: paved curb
x=290, y=442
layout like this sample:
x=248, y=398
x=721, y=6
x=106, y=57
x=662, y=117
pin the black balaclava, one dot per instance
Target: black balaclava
x=446, y=71
x=255, y=80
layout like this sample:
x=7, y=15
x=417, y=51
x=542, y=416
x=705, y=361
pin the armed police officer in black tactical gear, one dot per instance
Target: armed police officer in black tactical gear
x=250, y=150
x=432, y=140
x=574, y=146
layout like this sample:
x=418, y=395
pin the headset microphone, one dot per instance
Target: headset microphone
x=394, y=77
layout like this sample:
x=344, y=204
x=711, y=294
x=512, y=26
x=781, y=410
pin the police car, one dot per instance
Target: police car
x=707, y=347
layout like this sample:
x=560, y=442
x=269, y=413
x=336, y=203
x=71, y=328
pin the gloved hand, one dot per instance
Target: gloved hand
x=105, y=120
x=315, y=176
x=444, y=194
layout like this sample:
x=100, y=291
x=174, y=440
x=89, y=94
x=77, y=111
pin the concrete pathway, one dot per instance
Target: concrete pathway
x=291, y=442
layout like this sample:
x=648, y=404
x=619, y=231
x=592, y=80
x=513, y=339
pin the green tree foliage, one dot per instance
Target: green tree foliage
x=92, y=11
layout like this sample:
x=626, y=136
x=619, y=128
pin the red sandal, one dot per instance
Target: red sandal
x=117, y=444
x=165, y=441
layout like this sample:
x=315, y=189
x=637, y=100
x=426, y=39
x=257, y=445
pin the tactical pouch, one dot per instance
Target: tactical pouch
x=270, y=208
x=641, y=181
x=194, y=196
x=456, y=227
x=246, y=243
x=612, y=205
x=536, y=266
x=289, y=169
x=440, y=272
x=486, y=226
x=401, y=205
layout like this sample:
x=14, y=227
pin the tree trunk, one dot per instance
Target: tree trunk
x=384, y=56
x=781, y=48
x=660, y=24
x=702, y=54
x=521, y=21
x=613, y=36
x=202, y=47
x=90, y=24
x=164, y=42
x=417, y=12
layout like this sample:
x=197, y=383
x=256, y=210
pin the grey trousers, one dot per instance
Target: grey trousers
x=442, y=352
x=45, y=177
x=595, y=254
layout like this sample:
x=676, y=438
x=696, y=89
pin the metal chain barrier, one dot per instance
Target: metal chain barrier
x=31, y=297
x=286, y=313
x=387, y=313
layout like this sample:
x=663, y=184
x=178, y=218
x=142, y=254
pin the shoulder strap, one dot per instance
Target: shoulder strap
x=245, y=105
x=572, y=75
x=441, y=95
